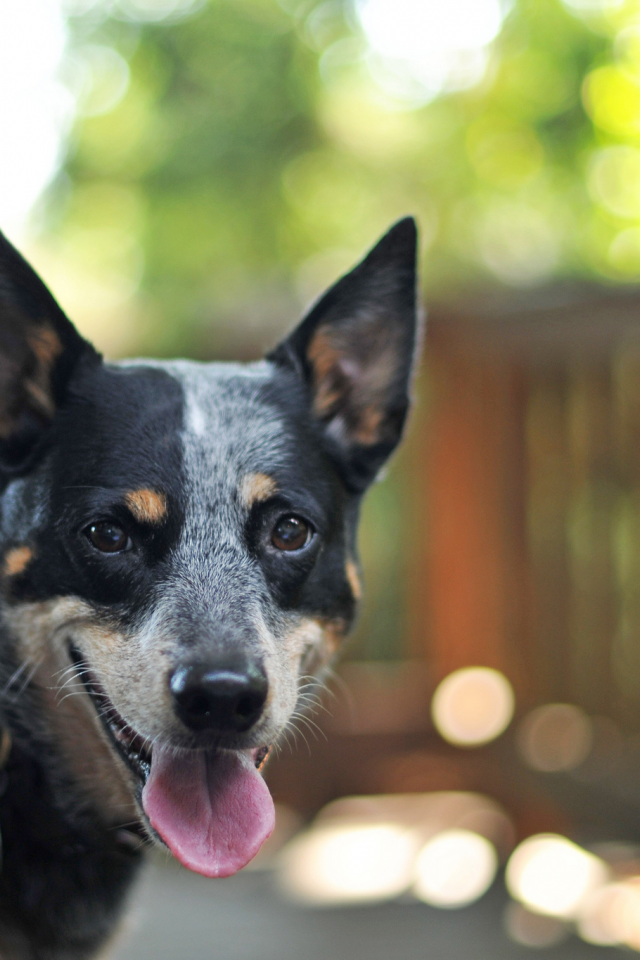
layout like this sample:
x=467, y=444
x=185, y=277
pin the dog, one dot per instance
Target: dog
x=178, y=562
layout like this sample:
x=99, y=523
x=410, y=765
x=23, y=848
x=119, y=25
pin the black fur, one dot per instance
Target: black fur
x=64, y=876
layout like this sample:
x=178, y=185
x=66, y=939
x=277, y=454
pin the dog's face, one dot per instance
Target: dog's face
x=178, y=542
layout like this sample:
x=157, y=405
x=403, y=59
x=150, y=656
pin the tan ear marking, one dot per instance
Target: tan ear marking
x=46, y=345
x=324, y=356
x=147, y=506
x=357, y=387
x=17, y=560
x=256, y=488
x=353, y=578
x=368, y=431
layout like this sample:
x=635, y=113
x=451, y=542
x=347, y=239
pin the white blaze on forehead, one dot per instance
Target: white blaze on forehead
x=196, y=420
x=227, y=427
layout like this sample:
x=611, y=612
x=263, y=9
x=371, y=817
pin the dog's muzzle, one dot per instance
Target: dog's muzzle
x=210, y=806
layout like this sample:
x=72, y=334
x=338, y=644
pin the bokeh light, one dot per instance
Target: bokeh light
x=473, y=706
x=611, y=97
x=611, y=915
x=35, y=108
x=98, y=76
x=554, y=876
x=518, y=242
x=455, y=868
x=338, y=863
x=614, y=180
x=428, y=814
x=556, y=736
x=152, y=11
x=445, y=845
x=425, y=46
x=159, y=10
x=591, y=7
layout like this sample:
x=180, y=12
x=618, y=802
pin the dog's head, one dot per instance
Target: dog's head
x=179, y=541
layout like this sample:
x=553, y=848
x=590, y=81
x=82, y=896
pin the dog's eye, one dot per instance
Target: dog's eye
x=291, y=533
x=108, y=537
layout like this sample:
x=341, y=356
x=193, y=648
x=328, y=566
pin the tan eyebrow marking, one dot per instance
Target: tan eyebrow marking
x=354, y=579
x=17, y=561
x=256, y=487
x=147, y=506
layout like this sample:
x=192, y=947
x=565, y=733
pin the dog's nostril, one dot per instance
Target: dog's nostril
x=197, y=705
x=226, y=698
x=246, y=706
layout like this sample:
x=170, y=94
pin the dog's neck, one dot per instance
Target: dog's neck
x=64, y=875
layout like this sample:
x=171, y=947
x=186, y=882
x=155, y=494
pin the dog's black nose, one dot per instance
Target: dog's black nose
x=226, y=697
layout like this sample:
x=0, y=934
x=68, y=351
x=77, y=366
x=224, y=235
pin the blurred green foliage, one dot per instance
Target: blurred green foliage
x=246, y=155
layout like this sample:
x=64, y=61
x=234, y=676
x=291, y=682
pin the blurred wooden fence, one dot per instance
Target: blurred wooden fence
x=529, y=463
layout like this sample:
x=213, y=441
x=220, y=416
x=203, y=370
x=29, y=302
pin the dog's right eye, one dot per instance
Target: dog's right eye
x=291, y=533
x=108, y=537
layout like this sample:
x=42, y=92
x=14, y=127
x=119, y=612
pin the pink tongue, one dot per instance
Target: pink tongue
x=213, y=810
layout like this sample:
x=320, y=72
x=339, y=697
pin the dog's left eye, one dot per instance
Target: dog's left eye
x=108, y=537
x=291, y=533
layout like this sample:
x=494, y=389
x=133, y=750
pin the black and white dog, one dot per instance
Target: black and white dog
x=178, y=550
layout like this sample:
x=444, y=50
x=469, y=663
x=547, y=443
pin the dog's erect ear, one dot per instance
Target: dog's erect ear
x=39, y=349
x=355, y=351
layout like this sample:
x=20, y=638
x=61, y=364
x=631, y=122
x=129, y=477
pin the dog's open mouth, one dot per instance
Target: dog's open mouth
x=133, y=748
x=210, y=807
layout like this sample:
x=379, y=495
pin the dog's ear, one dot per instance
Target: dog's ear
x=355, y=350
x=39, y=350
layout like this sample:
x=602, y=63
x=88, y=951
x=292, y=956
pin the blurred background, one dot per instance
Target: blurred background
x=188, y=175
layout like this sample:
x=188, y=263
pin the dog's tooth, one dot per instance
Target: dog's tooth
x=119, y=733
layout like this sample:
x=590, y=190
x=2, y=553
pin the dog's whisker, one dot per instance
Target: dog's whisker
x=29, y=673
x=76, y=673
x=62, y=674
x=74, y=677
x=312, y=707
x=286, y=737
x=334, y=677
x=313, y=727
x=343, y=693
x=63, y=670
x=67, y=696
x=294, y=727
x=310, y=686
x=15, y=676
x=312, y=700
x=306, y=742
x=308, y=679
